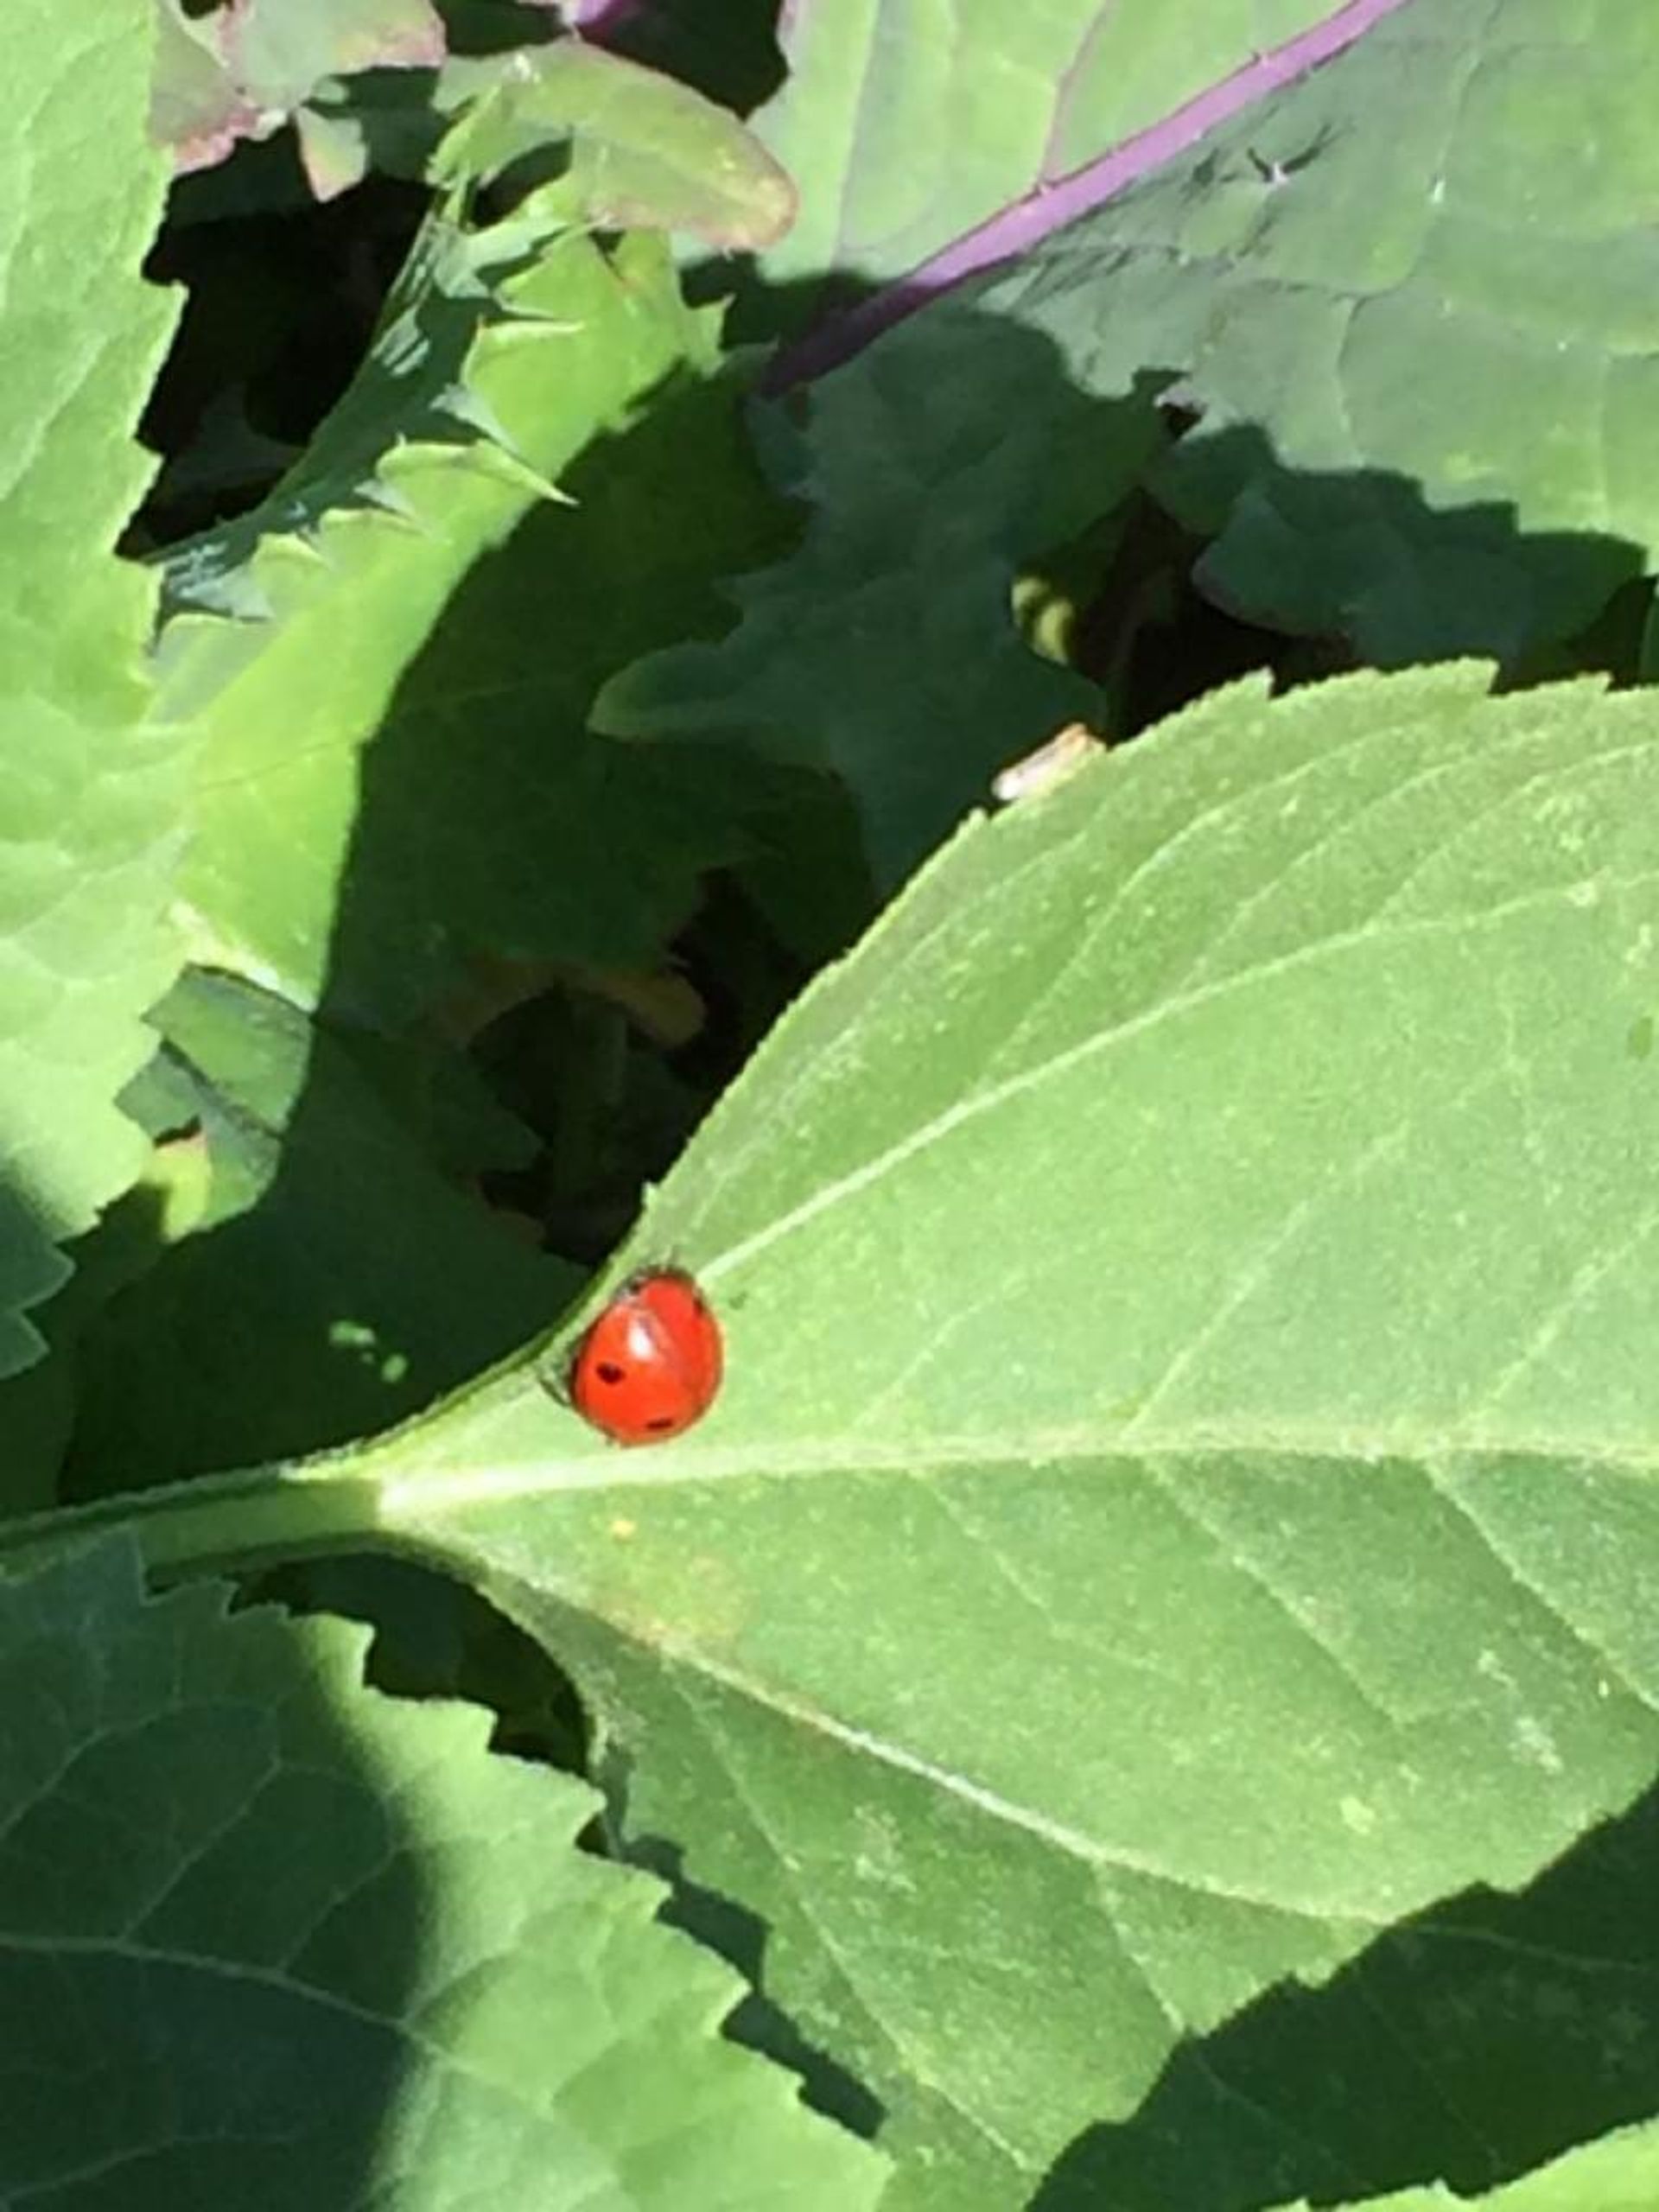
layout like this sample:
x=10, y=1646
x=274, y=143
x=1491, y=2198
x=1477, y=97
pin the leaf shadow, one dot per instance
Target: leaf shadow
x=739, y=1936
x=1474, y=2041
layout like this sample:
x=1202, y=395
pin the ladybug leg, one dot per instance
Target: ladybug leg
x=554, y=1376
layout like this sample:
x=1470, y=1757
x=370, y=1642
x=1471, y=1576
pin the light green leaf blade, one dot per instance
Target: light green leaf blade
x=280, y=50
x=92, y=798
x=433, y=625
x=644, y=151
x=243, y=68
x=272, y=1937
x=906, y=126
x=729, y=53
x=1184, y=1475
x=194, y=111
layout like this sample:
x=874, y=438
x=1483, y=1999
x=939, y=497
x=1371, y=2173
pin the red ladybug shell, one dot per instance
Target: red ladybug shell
x=651, y=1362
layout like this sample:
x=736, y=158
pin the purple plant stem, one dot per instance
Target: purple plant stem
x=1013, y=230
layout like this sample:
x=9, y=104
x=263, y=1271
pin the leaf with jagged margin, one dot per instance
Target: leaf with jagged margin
x=1425, y=350
x=334, y=1282
x=644, y=151
x=93, y=797
x=884, y=650
x=396, y=767
x=325, y=1175
x=903, y=127
x=1179, y=1500
x=37, y=1407
x=272, y=1938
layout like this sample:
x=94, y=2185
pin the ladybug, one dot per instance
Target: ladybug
x=650, y=1363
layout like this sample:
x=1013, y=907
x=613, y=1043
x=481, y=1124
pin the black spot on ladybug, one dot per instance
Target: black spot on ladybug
x=651, y=1362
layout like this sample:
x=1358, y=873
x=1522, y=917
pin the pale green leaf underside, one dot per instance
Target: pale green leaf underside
x=906, y=124
x=91, y=801
x=1184, y=1473
x=270, y=1938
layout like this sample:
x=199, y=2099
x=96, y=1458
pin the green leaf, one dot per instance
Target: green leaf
x=243, y=68
x=1421, y=349
x=93, y=799
x=730, y=52
x=1620, y=2174
x=335, y=1283
x=1182, y=1476
x=1184, y=1472
x=446, y=797
x=282, y=50
x=885, y=649
x=194, y=109
x=1466, y=2044
x=904, y=127
x=644, y=151
x=271, y=1937
x=37, y=1407
x=1419, y=408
